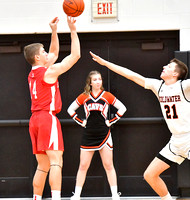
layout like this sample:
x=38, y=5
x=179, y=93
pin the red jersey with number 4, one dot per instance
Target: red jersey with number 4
x=44, y=96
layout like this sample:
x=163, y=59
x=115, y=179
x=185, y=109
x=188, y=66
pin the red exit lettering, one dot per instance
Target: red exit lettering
x=105, y=8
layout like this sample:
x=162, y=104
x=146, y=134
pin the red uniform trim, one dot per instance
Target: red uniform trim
x=110, y=145
x=115, y=118
x=119, y=114
x=73, y=115
x=96, y=147
x=79, y=120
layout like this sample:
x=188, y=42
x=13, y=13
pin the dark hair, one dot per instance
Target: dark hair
x=30, y=51
x=181, y=68
x=88, y=87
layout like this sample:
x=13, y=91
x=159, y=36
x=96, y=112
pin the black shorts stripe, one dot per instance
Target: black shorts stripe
x=169, y=162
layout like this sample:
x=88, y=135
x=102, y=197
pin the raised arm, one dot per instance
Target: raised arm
x=57, y=69
x=129, y=74
x=54, y=45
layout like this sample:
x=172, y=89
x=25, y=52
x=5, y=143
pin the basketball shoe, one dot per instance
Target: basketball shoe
x=116, y=197
x=74, y=197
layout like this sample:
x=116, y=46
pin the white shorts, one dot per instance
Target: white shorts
x=177, y=149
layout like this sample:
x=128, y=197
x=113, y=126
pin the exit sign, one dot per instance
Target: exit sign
x=104, y=8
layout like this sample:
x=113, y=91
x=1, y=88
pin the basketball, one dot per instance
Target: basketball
x=73, y=8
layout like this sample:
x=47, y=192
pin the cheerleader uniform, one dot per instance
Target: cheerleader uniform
x=97, y=127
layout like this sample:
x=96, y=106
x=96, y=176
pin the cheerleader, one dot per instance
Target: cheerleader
x=97, y=134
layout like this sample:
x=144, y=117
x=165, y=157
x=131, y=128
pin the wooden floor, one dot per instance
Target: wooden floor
x=97, y=198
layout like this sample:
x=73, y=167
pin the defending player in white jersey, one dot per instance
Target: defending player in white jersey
x=173, y=93
x=97, y=135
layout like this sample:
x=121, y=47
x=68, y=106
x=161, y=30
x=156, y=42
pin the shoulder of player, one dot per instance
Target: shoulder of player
x=186, y=80
x=37, y=71
x=39, y=68
x=153, y=83
x=186, y=83
x=39, y=75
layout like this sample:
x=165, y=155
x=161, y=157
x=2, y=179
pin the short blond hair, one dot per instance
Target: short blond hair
x=30, y=51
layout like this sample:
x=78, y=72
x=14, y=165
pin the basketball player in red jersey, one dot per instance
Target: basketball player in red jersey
x=44, y=127
x=97, y=135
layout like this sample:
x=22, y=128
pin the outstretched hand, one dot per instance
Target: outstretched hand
x=96, y=58
x=71, y=23
x=53, y=23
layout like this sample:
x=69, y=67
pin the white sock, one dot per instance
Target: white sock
x=56, y=195
x=78, y=191
x=167, y=197
x=114, y=190
x=37, y=197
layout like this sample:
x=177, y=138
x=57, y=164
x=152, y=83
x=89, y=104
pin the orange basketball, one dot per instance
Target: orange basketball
x=73, y=8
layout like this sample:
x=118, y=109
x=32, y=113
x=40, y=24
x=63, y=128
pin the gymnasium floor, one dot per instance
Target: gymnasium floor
x=96, y=198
